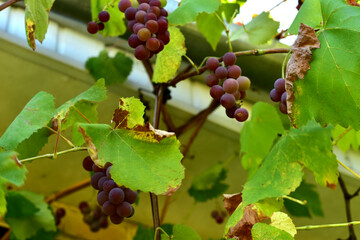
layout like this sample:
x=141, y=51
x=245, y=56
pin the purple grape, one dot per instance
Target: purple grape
x=124, y=4
x=163, y=12
x=107, y=165
x=133, y=41
x=101, y=26
x=219, y=219
x=152, y=25
x=237, y=95
x=88, y=218
x=103, y=222
x=241, y=114
x=230, y=112
x=84, y=207
x=137, y=27
x=216, y=92
x=234, y=71
x=140, y=16
x=131, y=25
x=243, y=95
x=212, y=64
x=230, y=85
x=155, y=10
x=116, y=196
x=116, y=219
x=279, y=85
x=108, y=174
x=92, y=27
x=60, y=212
x=141, y=53
x=153, y=44
x=144, y=34
x=101, y=182
x=87, y=163
x=143, y=1
x=108, y=185
x=244, y=83
x=283, y=108
x=150, y=16
x=97, y=213
x=143, y=6
x=104, y=16
x=130, y=13
x=130, y=195
x=124, y=209
x=283, y=98
x=95, y=226
x=229, y=58
x=227, y=100
x=275, y=95
x=221, y=72
x=102, y=197
x=109, y=208
x=211, y=80
x=163, y=25
x=156, y=3
x=214, y=214
x=160, y=48
x=95, y=179
x=165, y=37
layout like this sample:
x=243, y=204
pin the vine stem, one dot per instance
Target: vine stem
x=62, y=136
x=295, y=200
x=254, y=52
x=227, y=31
x=81, y=114
x=67, y=191
x=8, y=4
x=309, y=227
x=349, y=169
x=51, y=155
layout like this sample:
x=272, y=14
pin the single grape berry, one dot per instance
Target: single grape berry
x=230, y=85
x=60, y=212
x=88, y=218
x=279, y=85
x=108, y=185
x=103, y=222
x=104, y=16
x=211, y=80
x=241, y=114
x=84, y=207
x=283, y=98
x=212, y=64
x=155, y=10
x=227, y=100
x=163, y=12
x=95, y=179
x=144, y=34
x=116, y=219
x=230, y=112
x=152, y=25
x=163, y=25
x=97, y=213
x=216, y=92
x=156, y=3
x=124, y=4
x=165, y=37
x=95, y=226
x=243, y=95
x=101, y=182
x=237, y=95
x=134, y=41
x=130, y=13
x=244, y=83
x=141, y=53
x=87, y=163
x=143, y=6
x=214, y=214
x=153, y=44
x=275, y=95
x=92, y=27
x=137, y=27
x=150, y=16
x=101, y=26
x=221, y=72
x=219, y=219
x=140, y=16
x=102, y=197
x=124, y=209
x=283, y=108
x=234, y=71
x=116, y=195
x=229, y=58
x=109, y=208
x=130, y=195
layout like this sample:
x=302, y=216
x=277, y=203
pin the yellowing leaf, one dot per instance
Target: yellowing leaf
x=129, y=114
x=282, y=221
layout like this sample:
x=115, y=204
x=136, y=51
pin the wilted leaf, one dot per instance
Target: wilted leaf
x=129, y=114
x=232, y=201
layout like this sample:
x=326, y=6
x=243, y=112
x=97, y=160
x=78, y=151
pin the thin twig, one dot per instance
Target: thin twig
x=277, y=5
x=57, y=136
x=341, y=135
x=356, y=193
x=309, y=227
x=8, y=4
x=295, y=200
x=67, y=191
x=81, y=114
x=349, y=169
x=62, y=136
x=51, y=155
x=226, y=31
x=192, y=63
x=6, y=236
x=254, y=52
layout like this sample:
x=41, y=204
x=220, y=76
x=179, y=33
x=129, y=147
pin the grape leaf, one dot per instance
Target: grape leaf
x=25, y=227
x=129, y=114
x=94, y=94
x=211, y=27
x=282, y=221
x=116, y=25
x=143, y=160
x=113, y=70
x=11, y=171
x=262, y=231
x=281, y=171
x=266, y=122
x=36, y=20
x=309, y=14
x=189, y=9
x=35, y=115
x=208, y=184
x=144, y=233
x=260, y=30
x=168, y=61
x=182, y=232
x=332, y=81
x=306, y=192
x=227, y=9
x=350, y=139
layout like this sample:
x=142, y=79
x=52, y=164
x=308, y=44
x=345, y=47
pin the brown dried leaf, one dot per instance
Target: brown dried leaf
x=232, y=201
x=93, y=152
x=299, y=62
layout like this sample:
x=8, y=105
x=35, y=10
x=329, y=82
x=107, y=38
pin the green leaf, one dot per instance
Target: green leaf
x=211, y=27
x=114, y=70
x=189, y=9
x=10, y=172
x=227, y=9
x=35, y=115
x=333, y=80
x=116, y=25
x=281, y=171
x=350, y=139
x=143, y=233
x=270, y=205
x=282, y=221
x=36, y=20
x=262, y=231
x=182, y=232
x=309, y=14
x=264, y=122
x=260, y=30
x=129, y=114
x=306, y=192
x=208, y=184
x=142, y=160
x=168, y=61
x=32, y=146
x=25, y=227
x=94, y=94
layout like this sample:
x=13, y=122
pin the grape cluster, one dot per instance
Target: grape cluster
x=228, y=86
x=115, y=201
x=149, y=27
x=96, y=219
x=59, y=214
x=219, y=216
x=94, y=27
x=278, y=94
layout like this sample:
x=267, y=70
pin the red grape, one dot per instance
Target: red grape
x=134, y=41
x=116, y=219
x=241, y=114
x=283, y=98
x=212, y=64
x=102, y=197
x=104, y=16
x=229, y=58
x=212, y=80
x=216, y=92
x=140, y=16
x=227, y=100
x=152, y=25
x=234, y=71
x=144, y=6
x=124, y=4
x=130, y=195
x=124, y=209
x=165, y=37
x=230, y=112
x=153, y=44
x=92, y=27
x=230, y=85
x=141, y=53
x=244, y=83
x=221, y=72
x=116, y=195
x=101, y=26
x=279, y=85
x=283, y=108
x=88, y=163
x=144, y=34
x=130, y=13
